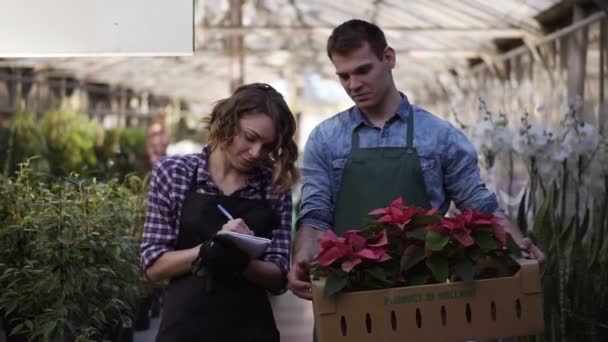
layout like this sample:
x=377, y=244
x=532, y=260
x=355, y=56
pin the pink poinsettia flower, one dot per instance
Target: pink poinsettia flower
x=457, y=228
x=361, y=248
x=379, y=240
x=332, y=248
x=355, y=239
x=398, y=214
x=350, y=250
x=475, y=219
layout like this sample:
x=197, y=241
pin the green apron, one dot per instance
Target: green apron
x=374, y=177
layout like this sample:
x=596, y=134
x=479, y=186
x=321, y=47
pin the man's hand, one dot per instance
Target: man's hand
x=306, y=246
x=298, y=280
x=524, y=243
x=527, y=245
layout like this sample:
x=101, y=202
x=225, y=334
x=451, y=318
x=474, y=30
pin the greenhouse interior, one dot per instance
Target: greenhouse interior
x=84, y=141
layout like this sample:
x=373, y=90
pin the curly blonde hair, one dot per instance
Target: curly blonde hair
x=223, y=126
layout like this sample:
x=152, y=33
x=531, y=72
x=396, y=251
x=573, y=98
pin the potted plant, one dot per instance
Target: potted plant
x=406, y=263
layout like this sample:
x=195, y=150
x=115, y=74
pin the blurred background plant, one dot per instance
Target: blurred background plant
x=65, y=141
x=554, y=183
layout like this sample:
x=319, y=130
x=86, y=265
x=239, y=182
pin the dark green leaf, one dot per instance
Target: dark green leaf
x=379, y=274
x=567, y=238
x=418, y=233
x=522, y=220
x=475, y=253
x=439, y=267
x=543, y=227
x=512, y=246
x=412, y=260
x=17, y=329
x=335, y=283
x=49, y=328
x=485, y=240
x=425, y=220
x=435, y=241
x=418, y=279
x=582, y=230
x=464, y=270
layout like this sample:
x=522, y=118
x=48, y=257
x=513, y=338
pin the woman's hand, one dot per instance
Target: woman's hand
x=238, y=226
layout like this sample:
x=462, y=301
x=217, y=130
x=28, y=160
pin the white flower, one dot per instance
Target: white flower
x=547, y=168
x=531, y=142
x=560, y=151
x=502, y=139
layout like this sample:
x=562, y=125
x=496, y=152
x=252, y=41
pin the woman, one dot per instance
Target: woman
x=248, y=168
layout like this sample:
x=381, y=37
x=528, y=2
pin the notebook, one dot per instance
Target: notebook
x=252, y=245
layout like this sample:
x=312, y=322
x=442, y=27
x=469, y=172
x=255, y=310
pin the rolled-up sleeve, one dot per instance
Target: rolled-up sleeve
x=316, y=209
x=278, y=251
x=160, y=230
x=462, y=181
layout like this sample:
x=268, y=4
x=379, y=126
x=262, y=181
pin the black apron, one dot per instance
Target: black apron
x=374, y=177
x=236, y=311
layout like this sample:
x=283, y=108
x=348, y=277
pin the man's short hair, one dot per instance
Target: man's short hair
x=351, y=35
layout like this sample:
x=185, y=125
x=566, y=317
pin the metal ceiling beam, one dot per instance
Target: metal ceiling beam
x=480, y=31
x=237, y=51
x=447, y=52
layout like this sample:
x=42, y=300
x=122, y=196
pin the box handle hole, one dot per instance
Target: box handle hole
x=343, y=325
x=468, y=312
x=368, y=323
x=418, y=318
x=393, y=320
x=493, y=310
x=518, y=308
x=444, y=316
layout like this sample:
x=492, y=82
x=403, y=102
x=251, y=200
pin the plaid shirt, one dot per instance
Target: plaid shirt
x=168, y=185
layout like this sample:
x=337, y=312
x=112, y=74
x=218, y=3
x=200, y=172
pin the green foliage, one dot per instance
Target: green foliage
x=68, y=254
x=24, y=140
x=70, y=139
x=576, y=274
x=65, y=142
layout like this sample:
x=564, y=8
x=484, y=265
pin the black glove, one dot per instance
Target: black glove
x=221, y=258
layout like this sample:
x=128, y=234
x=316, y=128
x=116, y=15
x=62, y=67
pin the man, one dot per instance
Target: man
x=382, y=148
x=157, y=142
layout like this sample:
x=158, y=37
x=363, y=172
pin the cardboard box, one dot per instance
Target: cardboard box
x=459, y=311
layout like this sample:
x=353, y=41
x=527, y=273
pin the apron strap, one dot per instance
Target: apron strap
x=410, y=128
x=409, y=138
x=194, y=180
x=263, y=188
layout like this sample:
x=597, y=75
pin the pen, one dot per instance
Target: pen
x=225, y=212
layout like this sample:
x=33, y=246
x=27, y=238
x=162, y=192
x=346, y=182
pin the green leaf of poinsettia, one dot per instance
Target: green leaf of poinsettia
x=419, y=279
x=485, y=240
x=475, y=253
x=512, y=246
x=464, y=270
x=424, y=220
x=412, y=260
x=335, y=283
x=418, y=233
x=379, y=274
x=436, y=241
x=439, y=267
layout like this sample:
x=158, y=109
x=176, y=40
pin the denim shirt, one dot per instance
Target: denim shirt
x=447, y=157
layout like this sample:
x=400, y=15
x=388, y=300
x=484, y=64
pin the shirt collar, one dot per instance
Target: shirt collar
x=358, y=118
x=254, y=178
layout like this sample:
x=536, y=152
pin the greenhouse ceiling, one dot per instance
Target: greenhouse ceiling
x=267, y=40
